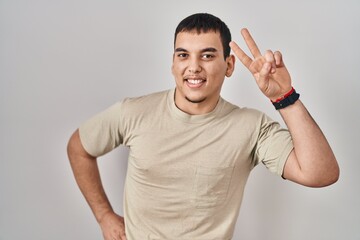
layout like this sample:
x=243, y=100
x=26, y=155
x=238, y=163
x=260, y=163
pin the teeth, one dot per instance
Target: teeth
x=194, y=81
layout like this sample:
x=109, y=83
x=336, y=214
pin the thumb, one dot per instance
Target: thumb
x=263, y=79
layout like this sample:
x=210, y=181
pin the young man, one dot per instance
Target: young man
x=190, y=150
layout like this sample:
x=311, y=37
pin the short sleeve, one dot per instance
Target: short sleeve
x=273, y=146
x=102, y=133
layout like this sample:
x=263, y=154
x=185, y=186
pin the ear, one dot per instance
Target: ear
x=172, y=65
x=230, y=62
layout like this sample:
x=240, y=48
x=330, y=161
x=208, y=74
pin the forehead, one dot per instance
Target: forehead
x=193, y=41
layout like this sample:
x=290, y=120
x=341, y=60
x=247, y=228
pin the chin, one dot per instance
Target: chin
x=195, y=100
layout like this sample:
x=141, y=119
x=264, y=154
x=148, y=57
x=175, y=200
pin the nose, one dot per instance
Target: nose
x=194, y=66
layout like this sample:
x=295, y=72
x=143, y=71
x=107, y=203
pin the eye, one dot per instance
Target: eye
x=182, y=55
x=208, y=56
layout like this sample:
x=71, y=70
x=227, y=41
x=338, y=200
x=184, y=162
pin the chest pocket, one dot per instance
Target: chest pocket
x=211, y=186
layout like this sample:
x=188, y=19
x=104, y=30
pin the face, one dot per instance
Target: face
x=199, y=69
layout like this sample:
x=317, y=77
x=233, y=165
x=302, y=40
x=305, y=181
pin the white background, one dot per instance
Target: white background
x=63, y=61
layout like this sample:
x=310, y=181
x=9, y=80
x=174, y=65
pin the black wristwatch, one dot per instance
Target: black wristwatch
x=287, y=101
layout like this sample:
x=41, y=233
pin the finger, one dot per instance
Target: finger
x=262, y=81
x=278, y=58
x=245, y=59
x=123, y=237
x=270, y=58
x=250, y=43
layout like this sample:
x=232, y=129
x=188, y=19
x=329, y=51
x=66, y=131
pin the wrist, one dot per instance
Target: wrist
x=103, y=215
x=288, y=99
x=288, y=93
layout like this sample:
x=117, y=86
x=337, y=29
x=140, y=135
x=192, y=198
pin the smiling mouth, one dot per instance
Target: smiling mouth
x=195, y=82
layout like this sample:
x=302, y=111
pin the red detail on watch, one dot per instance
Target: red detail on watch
x=285, y=96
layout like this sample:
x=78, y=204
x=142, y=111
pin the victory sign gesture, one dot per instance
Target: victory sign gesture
x=269, y=69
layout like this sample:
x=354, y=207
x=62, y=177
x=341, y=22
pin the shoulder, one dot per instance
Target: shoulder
x=146, y=100
x=144, y=104
x=247, y=118
x=243, y=112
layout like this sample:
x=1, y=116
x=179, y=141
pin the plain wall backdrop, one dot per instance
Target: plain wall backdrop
x=63, y=61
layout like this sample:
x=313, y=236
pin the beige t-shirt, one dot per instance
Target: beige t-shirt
x=186, y=173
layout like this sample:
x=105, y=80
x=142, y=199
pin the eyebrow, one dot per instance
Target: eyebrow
x=209, y=49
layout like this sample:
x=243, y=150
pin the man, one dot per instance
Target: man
x=190, y=150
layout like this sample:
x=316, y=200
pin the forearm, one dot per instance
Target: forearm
x=87, y=176
x=315, y=158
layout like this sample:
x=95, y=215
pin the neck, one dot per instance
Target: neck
x=195, y=108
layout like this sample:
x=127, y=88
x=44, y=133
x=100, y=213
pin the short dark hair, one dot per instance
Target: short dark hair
x=203, y=23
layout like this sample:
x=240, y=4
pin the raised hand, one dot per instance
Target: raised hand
x=268, y=69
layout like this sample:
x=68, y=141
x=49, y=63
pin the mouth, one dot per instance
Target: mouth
x=194, y=82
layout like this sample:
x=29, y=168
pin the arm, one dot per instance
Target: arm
x=312, y=162
x=87, y=176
